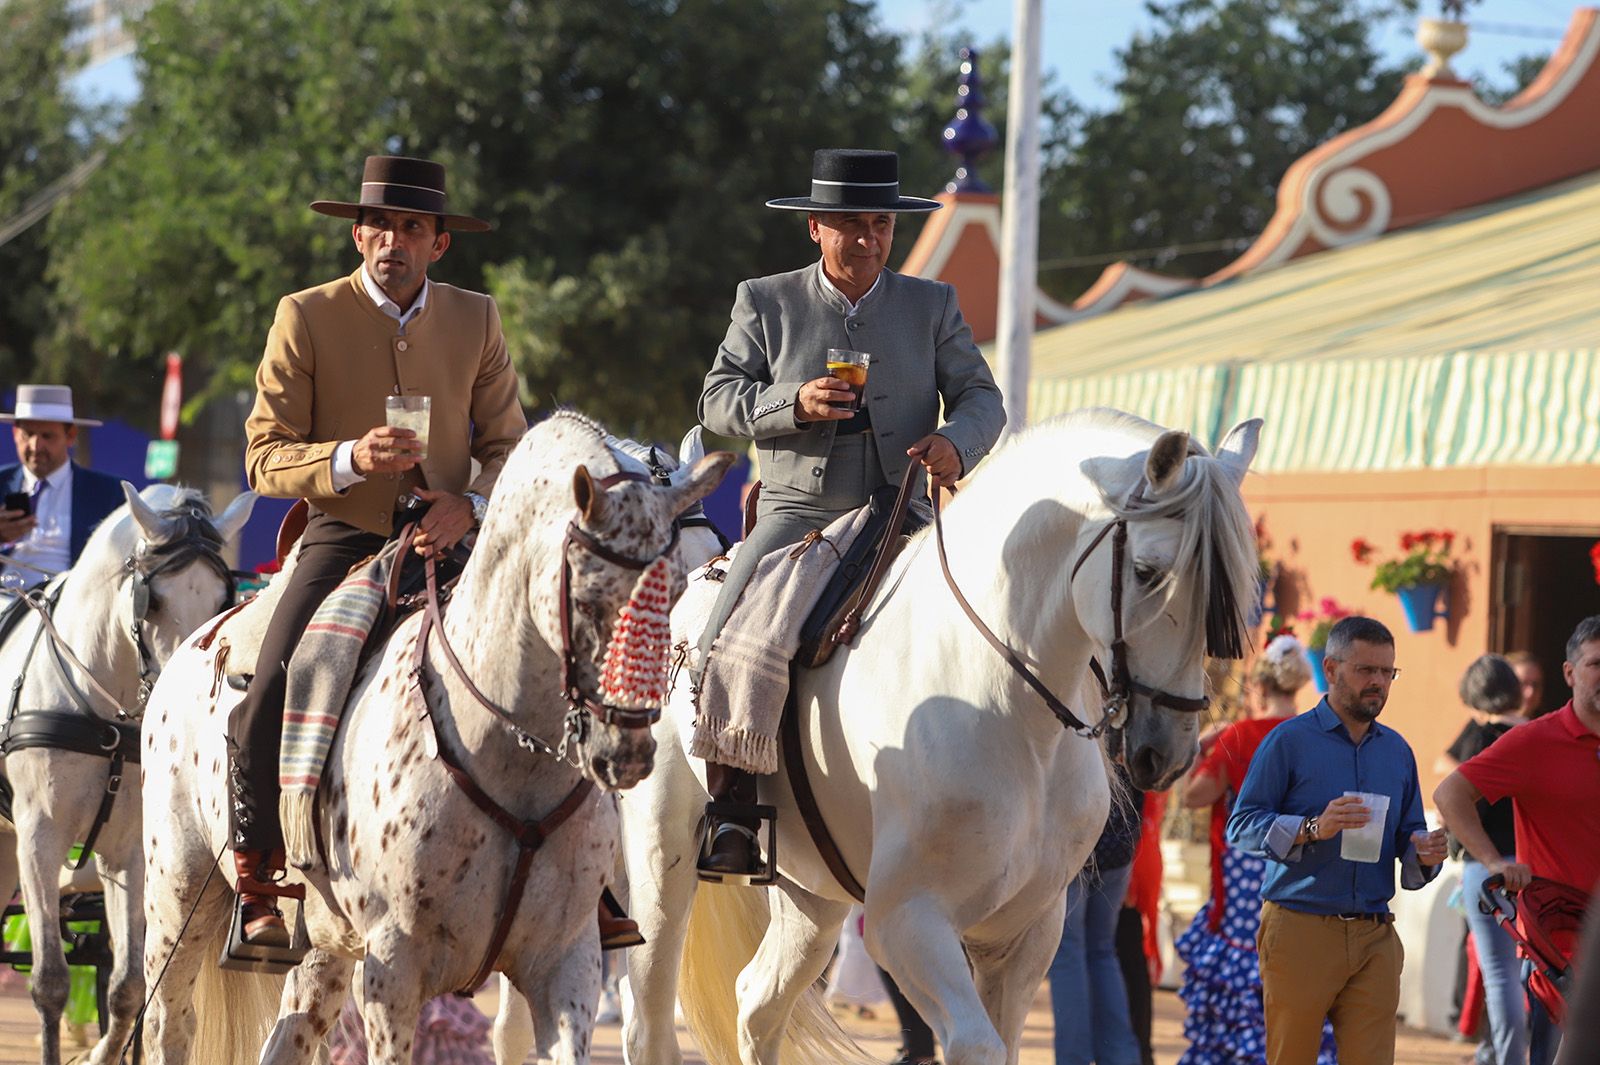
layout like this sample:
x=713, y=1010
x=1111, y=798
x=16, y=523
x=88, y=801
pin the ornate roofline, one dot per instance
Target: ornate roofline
x=1436, y=150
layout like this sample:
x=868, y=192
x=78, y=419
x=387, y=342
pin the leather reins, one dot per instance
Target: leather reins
x=530, y=834
x=1119, y=689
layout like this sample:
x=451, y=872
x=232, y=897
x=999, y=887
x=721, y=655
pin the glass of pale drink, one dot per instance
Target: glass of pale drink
x=409, y=412
x=1365, y=844
x=851, y=368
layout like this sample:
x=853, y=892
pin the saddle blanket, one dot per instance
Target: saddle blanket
x=320, y=674
x=744, y=681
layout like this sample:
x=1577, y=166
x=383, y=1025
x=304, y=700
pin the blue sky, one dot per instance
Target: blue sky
x=1079, y=36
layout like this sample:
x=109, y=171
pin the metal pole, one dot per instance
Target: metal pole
x=1019, y=216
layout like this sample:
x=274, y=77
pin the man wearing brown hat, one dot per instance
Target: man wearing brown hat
x=823, y=451
x=318, y=432
x=51, y=504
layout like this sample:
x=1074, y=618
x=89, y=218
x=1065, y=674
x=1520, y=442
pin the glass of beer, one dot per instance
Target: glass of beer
x=851, y=368
x=409, y=412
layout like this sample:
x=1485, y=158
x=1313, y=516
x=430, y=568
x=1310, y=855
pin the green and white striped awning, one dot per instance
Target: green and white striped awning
x=1464, y=409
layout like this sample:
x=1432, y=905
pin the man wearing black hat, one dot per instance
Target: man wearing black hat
x=318, y=432
x=770, y=384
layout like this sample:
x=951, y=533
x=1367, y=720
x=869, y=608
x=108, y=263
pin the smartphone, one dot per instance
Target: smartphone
x=19, y=501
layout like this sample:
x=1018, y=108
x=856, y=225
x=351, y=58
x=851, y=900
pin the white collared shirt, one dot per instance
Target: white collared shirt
x=856, y=306
x=49, y=545
x=344, y=465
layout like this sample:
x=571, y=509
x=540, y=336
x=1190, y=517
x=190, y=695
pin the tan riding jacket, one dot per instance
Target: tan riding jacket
x=331, y=358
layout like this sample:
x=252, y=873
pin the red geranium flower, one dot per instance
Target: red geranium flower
x=1594, y=557
x=1360, y=549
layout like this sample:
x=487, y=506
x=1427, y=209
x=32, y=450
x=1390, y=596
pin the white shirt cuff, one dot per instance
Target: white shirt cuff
x=344, y=466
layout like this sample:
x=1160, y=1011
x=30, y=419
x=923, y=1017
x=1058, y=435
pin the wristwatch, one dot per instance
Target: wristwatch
x=1310, y=828
x=480, y=506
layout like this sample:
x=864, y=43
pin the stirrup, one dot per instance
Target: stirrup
x=722, y=813
x=241, y=955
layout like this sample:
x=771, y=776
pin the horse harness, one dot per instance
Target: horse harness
x=531, y=834
x=80, y=730
x=1118, y=690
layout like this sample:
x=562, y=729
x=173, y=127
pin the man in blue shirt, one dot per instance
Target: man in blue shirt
x=1327, y=942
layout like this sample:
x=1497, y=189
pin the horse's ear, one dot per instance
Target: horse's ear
x=150, y=523
x=692, y=448
x=236, y=515
x=587, y=495
x=702, y=480
x=1166, y=459
x=1238, y=448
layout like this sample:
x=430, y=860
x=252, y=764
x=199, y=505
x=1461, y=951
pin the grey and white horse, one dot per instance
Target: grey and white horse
x=147, y=578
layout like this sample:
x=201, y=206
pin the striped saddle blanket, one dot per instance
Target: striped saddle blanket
x=320, y=675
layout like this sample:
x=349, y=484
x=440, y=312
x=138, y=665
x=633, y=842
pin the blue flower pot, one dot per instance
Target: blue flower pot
x=1319, y=676
x=1421, y=605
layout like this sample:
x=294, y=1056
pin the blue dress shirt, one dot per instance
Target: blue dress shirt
x=1304, y=764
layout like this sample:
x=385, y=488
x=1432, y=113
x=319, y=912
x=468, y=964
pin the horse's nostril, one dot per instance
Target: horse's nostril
x=1146, y=766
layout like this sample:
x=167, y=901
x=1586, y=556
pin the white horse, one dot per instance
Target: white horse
x=698, y=543
x=953, y=793
x=415, y=874
x=147, y=577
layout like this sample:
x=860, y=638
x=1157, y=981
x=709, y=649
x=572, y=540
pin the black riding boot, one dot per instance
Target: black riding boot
x=732, y=845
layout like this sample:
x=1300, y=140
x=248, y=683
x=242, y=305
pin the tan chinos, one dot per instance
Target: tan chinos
x=1315, y=966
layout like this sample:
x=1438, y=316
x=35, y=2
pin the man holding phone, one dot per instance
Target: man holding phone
x=51, y=504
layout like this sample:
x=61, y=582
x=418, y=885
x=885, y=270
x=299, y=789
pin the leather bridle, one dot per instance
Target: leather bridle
x=1120, y=688
x=198, y=541
x=582, y=707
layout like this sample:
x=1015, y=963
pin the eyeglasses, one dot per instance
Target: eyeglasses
x=1374, y=672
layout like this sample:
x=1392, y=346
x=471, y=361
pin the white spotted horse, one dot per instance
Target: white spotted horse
x=460, y=824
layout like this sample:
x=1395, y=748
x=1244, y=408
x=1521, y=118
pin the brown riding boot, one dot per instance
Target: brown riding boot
x=617, y=929
x=261, y=920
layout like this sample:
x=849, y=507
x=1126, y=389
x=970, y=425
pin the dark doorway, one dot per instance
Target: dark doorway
x=1543, y=585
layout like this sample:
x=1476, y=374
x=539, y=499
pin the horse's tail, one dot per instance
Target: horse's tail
x=234, y=1011
x=725, y=927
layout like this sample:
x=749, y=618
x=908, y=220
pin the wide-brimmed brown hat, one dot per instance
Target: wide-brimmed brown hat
x=399, y=183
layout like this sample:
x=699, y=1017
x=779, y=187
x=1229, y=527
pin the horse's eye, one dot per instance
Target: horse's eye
x=1146, y=573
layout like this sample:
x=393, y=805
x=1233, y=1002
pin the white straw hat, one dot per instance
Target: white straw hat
x=45, y=403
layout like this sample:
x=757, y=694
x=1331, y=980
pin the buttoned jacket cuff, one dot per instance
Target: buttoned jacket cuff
x=774, y=411
x=1280, y=843
x=344, y=467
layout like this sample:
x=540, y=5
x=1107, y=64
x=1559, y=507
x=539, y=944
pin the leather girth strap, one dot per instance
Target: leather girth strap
x=115, y=741
x=530, y=835
x=805, y=799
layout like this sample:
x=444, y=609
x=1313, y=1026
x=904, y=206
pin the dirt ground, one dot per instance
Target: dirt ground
x=19, y=1028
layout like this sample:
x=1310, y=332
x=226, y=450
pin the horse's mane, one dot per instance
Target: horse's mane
x=118, y=536
x=1217, y=540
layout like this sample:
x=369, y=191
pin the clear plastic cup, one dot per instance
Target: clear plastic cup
x=1365, y=844
x=409, y=412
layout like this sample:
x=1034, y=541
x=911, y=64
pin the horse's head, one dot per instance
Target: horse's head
x=618, y=573
x=173, y=571
x=1172, y=570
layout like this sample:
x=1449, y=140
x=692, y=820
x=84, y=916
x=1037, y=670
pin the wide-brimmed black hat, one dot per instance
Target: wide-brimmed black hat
x=397, y=183
x=855, y=181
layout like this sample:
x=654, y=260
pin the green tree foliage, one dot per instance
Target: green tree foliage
x=624, y=148
x=1213, y=102
x=44, y=134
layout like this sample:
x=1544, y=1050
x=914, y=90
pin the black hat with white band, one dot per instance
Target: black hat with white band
x=398, y=183
x=855, y=181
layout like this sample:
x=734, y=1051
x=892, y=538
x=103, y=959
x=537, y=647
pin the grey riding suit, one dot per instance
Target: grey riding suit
x=782, y=327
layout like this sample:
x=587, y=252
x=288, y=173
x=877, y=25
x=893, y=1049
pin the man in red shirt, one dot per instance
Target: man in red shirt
x=1550, y=769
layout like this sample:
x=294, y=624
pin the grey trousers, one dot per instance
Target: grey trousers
x=784, y=516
